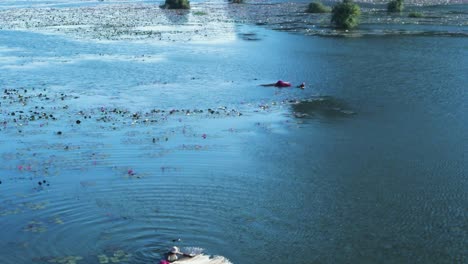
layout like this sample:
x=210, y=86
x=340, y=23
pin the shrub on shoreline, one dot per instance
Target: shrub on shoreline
x=346, y=15
x=317, y=7
x=176, y=4
x=236, y=1
x=395, y=6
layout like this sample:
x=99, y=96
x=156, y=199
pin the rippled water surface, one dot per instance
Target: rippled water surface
x=116, y=148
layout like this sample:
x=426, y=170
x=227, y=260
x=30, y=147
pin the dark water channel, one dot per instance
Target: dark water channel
x=366, y=165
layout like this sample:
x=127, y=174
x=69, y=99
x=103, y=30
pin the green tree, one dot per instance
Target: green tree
x=346, y=15
x=395, y=6
x=317, y=7
x=176, y=4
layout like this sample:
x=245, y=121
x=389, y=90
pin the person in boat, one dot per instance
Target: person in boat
x=173, y=253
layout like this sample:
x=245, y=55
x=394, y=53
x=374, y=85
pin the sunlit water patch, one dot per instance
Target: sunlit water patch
x=124, y=22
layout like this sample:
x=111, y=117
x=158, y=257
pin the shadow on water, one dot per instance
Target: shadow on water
x=249, y=36
x=177, y=17
x=322, y=107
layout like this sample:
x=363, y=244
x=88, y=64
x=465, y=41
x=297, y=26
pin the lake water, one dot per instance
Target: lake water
x=121, y=149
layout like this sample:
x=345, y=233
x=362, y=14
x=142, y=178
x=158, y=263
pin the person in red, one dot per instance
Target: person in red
x=279, y=83
x=171, y=256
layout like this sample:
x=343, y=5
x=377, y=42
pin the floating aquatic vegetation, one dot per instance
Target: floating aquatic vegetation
x=35, y=206
x=54, y=116
x=10, y=212
x=57, y=220
x=116, y=257
x=200, y=13
x=66, y=260
x=134, y=22
x=415, y=15
x=35, y=227
x=103, y=259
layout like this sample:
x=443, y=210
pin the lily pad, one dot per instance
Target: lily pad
x=66, y=260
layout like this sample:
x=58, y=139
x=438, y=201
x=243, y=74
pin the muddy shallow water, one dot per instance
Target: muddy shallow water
x=116, y=146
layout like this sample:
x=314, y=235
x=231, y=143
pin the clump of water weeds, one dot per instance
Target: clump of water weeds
x=176, y=4
x=346, y=15
x=415, y=15
x=395, y=6
x=317, y=7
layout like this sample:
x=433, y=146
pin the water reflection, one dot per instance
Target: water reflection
x=176, y=18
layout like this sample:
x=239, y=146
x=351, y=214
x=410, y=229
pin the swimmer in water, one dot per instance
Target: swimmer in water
x=279, y=83
x=171, y=256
